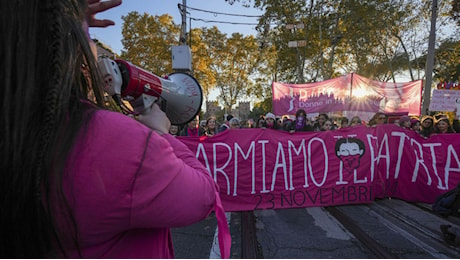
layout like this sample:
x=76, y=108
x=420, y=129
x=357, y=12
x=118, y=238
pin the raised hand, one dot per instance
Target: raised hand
x=98, y=6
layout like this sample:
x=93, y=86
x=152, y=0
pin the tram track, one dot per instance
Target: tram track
x=424, y=232
x=359, y=239
x=416, y=223
x=384, y=229
x=360, y=234
x=387, y=228
x=249, y=245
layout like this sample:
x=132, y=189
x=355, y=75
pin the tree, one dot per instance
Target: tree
x=446, y=64
x=342, y=36
x=230, y=62
x=202, y=62
x=375, y=38
x=455, y=11
x=239, y=61
x=447, y=61
x=147, y=41
x=257, y=111
x=379, y=39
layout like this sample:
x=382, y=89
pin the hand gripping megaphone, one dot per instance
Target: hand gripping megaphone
x=179, y=95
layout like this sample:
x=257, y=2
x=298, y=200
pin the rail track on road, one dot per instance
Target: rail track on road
x=387, y=228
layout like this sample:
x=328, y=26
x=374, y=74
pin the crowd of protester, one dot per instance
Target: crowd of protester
x=426, y=125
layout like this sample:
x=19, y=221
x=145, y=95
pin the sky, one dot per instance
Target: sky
x=112, y=36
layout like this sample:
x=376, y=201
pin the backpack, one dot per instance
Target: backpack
x=448, y=204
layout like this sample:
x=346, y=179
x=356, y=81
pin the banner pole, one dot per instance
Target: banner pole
x=351, y=85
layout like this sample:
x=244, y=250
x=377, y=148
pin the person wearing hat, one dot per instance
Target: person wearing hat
x=426, y=126
x=270, y=121
x=226, y=124
x=415, y=124
x=404, y=122
x=260, y=122
x=443, y=126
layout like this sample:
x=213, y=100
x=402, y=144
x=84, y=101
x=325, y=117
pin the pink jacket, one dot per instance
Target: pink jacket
x=127, y=186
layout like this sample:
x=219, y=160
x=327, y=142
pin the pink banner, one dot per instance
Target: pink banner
x=351, y=92
x=269, y=169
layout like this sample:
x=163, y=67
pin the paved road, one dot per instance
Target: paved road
x=400, y=229
x=197, y=241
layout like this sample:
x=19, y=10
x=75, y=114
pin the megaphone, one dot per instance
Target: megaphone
x=179, y=94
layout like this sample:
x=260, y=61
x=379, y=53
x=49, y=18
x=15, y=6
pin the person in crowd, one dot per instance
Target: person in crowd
x=284, y=119
x=456, y=125
x=328, y=125
x=344, y=122
x=426, y=126
x=270, y=121
x=443, y=126
x=356, y=120
x=287, y=122
x=415, y=124
x=438, y=116
x=192, y=128
x=279, y=123
x=78, y=180
x=379, y=118
x=225, y=125
x=174, y=130
x=301, y=122
x=260, y=123
x=203, y=124
x=250, y=123
x=234, y=123
x=211, y=128
x=404, y=122
x=318, y=125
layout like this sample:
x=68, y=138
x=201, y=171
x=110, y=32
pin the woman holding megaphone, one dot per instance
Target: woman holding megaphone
x=77, y=180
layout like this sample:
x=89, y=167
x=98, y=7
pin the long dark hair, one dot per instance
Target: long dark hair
x=44, y=56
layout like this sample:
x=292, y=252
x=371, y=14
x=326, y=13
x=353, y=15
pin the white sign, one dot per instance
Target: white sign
x=295, y=26
x=457, y=101
x=293, y=44
x=445, y=100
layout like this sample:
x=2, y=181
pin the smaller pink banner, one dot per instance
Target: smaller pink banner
x=351, y=92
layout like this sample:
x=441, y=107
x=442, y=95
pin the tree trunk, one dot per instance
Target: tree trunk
x=430, y=59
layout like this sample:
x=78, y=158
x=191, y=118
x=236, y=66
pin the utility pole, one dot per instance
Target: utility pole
x=430, y=59
x=297, y=44
x=182, y=55
x=183, y=31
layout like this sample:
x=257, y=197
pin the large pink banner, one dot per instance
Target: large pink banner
x=351, y=92
x=269, y=169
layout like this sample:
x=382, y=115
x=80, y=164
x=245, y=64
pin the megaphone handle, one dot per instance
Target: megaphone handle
x=155, y=119
x=143, y=103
